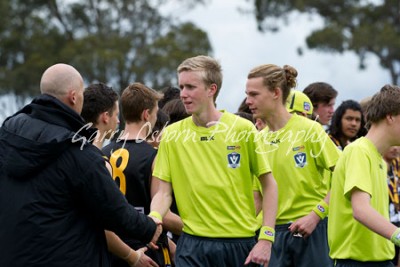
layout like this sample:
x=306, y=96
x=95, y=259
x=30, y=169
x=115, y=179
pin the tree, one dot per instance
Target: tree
x=362, y=26
x=113, y=41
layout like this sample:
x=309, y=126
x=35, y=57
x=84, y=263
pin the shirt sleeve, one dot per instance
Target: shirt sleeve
x=259, y=161
x=357, y=172
x=162, y=164
x=323, y=149
x=102, y=200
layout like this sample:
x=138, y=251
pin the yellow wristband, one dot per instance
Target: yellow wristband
x=321, y=209
x=155, y=214
x=395, y=238
x=267, y=233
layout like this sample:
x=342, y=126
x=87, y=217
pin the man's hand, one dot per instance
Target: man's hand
x=305, y=225
x=260, y=254
x=143, y=260
x=157, y=233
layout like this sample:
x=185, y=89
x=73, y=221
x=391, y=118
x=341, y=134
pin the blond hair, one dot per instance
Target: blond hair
x=275, y=76
x=208, y=67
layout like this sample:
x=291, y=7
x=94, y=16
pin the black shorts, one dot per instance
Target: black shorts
x=353, y=263
x=289, y=250
x=194, y=251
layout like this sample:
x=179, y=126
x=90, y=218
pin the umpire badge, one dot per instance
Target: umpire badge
x=234, y=160
x=300, y=159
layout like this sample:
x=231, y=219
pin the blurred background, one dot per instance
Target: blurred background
x=353, y=45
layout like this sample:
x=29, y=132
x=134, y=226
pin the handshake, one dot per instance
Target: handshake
x=157, y=218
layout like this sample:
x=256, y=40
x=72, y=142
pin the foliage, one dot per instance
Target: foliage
x=113, y=41
x=362, y=26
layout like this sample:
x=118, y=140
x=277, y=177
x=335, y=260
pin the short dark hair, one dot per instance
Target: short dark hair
x=162, y=121
x=335, y=129
x=98, y=98
x=175, y=110
x=169, y=93
x=320, y=92
x=244, y=107
x=245, y=115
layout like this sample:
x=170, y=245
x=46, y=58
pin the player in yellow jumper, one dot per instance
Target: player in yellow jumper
x=209, y=160
x=359, y=230
x=298, y=150
x=299, y=103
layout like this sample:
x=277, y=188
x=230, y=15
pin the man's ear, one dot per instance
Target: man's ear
x=276, y=92
x=389, y=118
x=72, y=97
x=104, y=117
x=146, y=115
x=213, y=90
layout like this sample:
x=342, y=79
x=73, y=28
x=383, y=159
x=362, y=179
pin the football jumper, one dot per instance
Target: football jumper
x=211, y=171
x=131, y=162
x=361, y=166
x=298, y=154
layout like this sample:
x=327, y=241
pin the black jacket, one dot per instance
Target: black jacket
x=56, y=195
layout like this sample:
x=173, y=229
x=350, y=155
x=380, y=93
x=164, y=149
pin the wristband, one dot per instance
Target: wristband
x=267, y=233
x=155, y=214
x=395, y=238
x=321, y=209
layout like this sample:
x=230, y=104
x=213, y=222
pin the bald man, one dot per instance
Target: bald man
x=56, y=195
x=65, y=83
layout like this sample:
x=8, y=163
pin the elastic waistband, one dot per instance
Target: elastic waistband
x=223, y=239
x=284, y=227
x=363, y=263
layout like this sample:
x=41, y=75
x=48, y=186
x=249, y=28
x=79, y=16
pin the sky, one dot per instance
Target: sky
x=239, y=47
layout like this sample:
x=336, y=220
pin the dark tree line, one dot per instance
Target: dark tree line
x=113, y=41
x=364, y=27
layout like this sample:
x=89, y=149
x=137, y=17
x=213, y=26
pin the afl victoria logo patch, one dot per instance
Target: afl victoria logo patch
x=233, y=160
